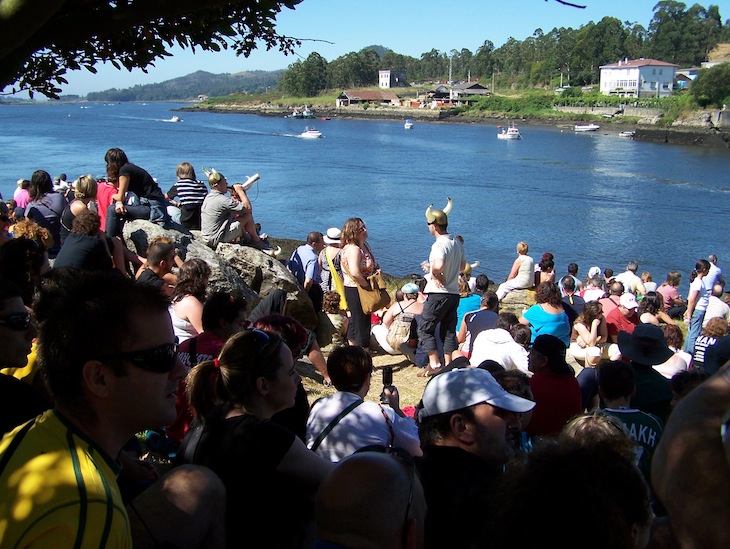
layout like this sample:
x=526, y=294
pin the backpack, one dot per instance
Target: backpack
x=399, y=330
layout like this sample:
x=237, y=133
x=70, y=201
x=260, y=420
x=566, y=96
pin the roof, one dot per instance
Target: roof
x=370, y=95
x=632, y=63
x=468, y=86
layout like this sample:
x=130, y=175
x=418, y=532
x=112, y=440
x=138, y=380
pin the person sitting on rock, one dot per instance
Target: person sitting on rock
x=225, y=219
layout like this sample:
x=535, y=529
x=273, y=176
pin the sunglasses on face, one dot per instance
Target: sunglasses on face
x=161, y=359
x=17, y=321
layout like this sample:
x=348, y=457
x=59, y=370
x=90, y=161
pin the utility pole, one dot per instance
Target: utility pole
x=451, y=59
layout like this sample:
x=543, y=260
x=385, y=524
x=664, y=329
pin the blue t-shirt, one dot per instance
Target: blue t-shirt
x=543, y=322
x=466, y=305
x=303, y=264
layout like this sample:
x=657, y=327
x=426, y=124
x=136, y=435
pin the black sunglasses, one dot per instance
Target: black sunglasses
x=161, y=359
x=17, y=321
x=404, y=457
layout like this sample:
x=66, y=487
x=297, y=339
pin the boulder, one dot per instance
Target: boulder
x=517, y=301
x=263, y=273
x=138, y=234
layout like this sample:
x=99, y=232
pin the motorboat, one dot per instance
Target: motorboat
x=586, y=127
x=310, y=133
x=174, y=119
x=510, y=133
x=628, y=134
x=409, y=124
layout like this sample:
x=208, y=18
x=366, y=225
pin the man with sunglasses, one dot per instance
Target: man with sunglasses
x=19, y=401
x=109, y=358
x=464, y=422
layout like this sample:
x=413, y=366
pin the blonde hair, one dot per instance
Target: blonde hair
x=522, y=248
x=350, y=231
x=27, y=228
x=85, y=187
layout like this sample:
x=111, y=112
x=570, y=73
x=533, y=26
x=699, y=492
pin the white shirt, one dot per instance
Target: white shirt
x=716, y=308
x=497, y=344
x=362, y=426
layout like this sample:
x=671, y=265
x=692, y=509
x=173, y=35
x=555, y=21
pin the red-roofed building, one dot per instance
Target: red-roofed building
x=372, y=97
x=638, y=78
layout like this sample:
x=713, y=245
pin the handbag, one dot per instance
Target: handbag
x=376, y=297
x=399, y=330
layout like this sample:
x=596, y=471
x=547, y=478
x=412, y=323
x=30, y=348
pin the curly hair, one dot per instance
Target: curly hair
x=331, y=302
x=673, y=335
x=716, y=327
x=548, y=292
x=87, y=222
x=27, y=228
x=192, y=280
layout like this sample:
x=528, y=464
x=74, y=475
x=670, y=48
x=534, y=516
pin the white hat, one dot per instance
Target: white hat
x=466, y=387
x=628, y=301
x=594, y=271
x=333, y=236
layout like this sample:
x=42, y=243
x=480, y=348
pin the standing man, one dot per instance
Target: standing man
x=715, y=274
x=112, y=370
x=447, y=261
x=304, y=265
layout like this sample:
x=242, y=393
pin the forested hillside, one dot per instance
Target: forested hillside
x=190, y=86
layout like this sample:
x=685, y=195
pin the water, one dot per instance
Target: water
x=593, y=198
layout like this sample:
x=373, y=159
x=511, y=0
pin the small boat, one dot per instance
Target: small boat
x=510, y=133
x=409, y=124
x=175, y=119
x=627, y=134
x=310, y=133
x=306, y=113
x=586, y=127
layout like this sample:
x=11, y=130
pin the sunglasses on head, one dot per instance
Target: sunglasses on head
x=17, y=321
x=160, y=359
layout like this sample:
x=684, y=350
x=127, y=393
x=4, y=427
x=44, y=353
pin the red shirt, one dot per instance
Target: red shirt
x=558, y=399
x=617, y=322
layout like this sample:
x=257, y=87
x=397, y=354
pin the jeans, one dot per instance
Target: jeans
x=695, y=327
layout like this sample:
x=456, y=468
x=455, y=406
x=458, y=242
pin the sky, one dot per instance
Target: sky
x=336, y=27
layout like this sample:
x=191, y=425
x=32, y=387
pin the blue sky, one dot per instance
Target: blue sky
x=407, y=27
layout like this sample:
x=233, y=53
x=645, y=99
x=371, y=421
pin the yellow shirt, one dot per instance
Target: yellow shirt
x=57, y=489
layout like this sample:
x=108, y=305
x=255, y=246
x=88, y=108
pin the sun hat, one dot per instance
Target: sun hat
x=410, y=288
x=332, y=236
x=645, y=345
x=466, y=387
x=551, y=347
x=628, y=301
x=594, y=271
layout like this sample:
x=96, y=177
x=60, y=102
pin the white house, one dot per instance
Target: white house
x=391, y=79
x=638, y=78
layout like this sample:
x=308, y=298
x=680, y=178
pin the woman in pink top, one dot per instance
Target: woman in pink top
x=674, y=305
x=358, y=263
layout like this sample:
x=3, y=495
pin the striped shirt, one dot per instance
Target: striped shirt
x=190, y=192
x=58, y=489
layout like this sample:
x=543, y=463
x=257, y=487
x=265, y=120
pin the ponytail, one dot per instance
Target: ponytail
x=202, y=388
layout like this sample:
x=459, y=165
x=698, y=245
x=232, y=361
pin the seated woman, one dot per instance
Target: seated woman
x=521, y=275
x=186, y=309
x=674, y=305
x=545, y=270
x=342, y=423
x=649, y=284
x=401, y=313
x=651, y=310
x=270, y=476
x=588, y=335
x=85, y=247
x=547, y=316
x=45, y=207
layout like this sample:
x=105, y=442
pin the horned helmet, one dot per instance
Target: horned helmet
x=439, y=217
x=214, y=177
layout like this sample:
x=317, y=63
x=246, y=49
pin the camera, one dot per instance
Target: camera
x=387, y=383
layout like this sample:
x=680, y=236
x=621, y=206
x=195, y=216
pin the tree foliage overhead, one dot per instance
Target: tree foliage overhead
x=43, y=39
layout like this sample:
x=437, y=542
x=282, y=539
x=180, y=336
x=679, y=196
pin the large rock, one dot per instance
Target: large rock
x=138, y=234
x=517, y=301
x=263, y=273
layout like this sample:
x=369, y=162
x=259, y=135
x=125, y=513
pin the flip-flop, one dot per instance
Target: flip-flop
x=428, y=372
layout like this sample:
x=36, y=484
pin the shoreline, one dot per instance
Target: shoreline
x=693, y=135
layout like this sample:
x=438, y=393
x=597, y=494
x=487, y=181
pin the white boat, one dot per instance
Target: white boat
x=409, y=124
x=586, y=127
x=310, y=133
x=173, y=119
x=510, y=133
x=627, y=134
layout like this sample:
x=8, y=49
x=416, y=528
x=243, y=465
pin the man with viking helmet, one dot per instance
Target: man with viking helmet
x=447, y=261
x=223, y=219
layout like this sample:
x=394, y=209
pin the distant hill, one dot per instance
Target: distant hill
x=380, y=50
x=190, y=86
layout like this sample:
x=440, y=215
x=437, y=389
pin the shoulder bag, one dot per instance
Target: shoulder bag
x=376, y=297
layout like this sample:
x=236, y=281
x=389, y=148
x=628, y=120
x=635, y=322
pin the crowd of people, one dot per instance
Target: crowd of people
x=587, y=402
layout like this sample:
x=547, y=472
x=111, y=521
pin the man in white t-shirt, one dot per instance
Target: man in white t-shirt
x=716, y=307
x=446, y=262
x=715, y=274
x=631, y=281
